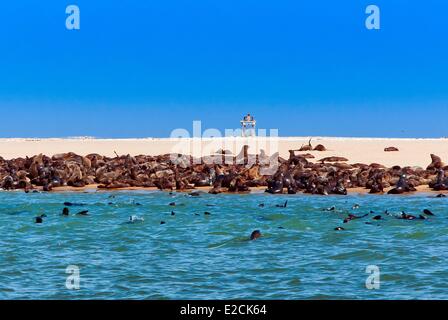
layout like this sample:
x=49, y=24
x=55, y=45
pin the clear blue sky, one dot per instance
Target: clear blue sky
x=304, y=67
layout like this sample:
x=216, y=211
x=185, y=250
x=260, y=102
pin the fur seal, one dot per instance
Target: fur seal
x=255, y=235
x=282, y=205
x=402, y=186
x=70, y=204
x=406, y=216
x=65, y=211
x=441, y=182
x=40, y=219
x=333, y=159
x=275, y=186
x=436, y=163
x=428, y=212
x=320, y=147
x=308, y=147
x=339, y=188
x=353, y=217
x=83, y=213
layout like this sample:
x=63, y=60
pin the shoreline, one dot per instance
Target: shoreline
x=312, y=167
x=93, y=188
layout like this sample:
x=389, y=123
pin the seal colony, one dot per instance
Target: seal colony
x=330, y=175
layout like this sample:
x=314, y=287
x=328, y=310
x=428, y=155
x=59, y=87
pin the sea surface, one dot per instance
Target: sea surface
x=198, y=256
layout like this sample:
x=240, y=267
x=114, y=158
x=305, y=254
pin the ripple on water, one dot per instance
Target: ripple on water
x=197, y=256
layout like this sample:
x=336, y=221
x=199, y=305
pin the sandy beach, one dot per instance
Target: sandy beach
x=351, y=191
x=412, y=152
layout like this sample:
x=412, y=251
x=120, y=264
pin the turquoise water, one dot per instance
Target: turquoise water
x=300, y=256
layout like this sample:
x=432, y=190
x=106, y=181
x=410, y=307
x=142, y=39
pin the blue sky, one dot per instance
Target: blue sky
x=304, y=67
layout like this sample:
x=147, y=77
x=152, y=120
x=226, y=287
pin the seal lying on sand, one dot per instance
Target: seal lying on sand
x=275, y=186
x=402, y=186
x=441, y=182
x=328, y=176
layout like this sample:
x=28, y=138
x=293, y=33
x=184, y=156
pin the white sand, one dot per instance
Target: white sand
x=413, y=152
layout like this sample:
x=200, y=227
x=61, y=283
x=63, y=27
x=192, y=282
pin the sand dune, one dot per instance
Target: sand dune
x=412, y=152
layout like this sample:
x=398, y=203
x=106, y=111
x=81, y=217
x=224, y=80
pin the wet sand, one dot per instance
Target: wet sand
x=94, y=188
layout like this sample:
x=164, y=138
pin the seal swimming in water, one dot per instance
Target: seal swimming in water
x=70, y=204
x=40, y=219
x=65, y=211
x=83, y=213
x=428, y=212
x=339, y=229
x=353, y=217
x=282, y=205
x=405, y=216
x=255, y=235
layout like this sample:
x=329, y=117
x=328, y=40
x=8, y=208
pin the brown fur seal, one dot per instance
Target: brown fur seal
x=402, y=186
x=255, y=235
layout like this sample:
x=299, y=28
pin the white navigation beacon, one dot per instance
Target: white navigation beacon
x=248, y=125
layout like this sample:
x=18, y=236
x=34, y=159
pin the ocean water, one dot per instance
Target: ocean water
x=198, y=256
